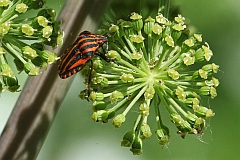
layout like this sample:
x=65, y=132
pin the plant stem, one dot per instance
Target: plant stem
x=164, y=7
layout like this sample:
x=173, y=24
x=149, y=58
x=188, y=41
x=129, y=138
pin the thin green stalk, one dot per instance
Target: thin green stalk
x=122, y=52
x=118, y=105
x=15, y=53
x=174, y=58
x=157, y=111
x=164, y=7
x=135, y=100
x=132, y=67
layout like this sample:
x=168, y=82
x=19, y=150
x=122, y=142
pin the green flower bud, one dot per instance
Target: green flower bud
x=207, y=52
x=128, y=139
x=157, y=31
x=208, y=91
x=180, y=93
x=96, y=96
x=196, y=101
x=189, y=42
x=191, y=101
x=100, y=116
x=47, y=31
x=136, y=55
x=130, y=78
x=161, y=20
x=98, y=64
x=204, y=112
x=100, y=80
x=213, y=92
x=173, y=74
x=163, y=136
x=199, y=124
x=179, y=27
x=60, y=39
x=176, y=118
x=191, y=118
x=209, y=113
x=144, y=109
x=99, y=105
x=4, y=28
x=4, y=3
x=42, y=21
x=21, y=8
x=114, y=55
x=27, y=29
x=136, y=147
x=149, y=93
x=116, y=96
x=215, y=82
x=205, y=90
x=84, y=94
x=137, y=22
x=198, y=37
x=188, y=60
x=146, y=131
x=179, y=19
x=203, y=74
x=29, y=53
x=211, y=68
x=149, y=22
x=135, y=16
x=127, y=78
x=30, y=69
x=169, y=41
x=118, y=120
x=113, y=28
x=49, y=56
x=11, y=84
x=6, y=71
x=185, y=127
x=181, y=124
x=126, y=28
x=137, y=38
x=9, y=79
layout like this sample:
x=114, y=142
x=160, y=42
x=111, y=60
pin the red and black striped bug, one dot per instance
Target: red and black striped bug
x=80, y=53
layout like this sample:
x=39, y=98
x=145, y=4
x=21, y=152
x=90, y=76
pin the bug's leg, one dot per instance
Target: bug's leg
x=90, y=77
x=103, y=56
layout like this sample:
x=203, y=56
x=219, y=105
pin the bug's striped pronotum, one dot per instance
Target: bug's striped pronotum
x=80, y=53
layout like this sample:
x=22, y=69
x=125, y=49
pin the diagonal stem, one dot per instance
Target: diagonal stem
x=164, y=7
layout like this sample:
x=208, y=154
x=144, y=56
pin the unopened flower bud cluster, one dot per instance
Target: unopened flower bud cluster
x=23, y=38
x=157, y=65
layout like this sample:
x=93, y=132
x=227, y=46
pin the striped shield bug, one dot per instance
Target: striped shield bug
x=77, y=55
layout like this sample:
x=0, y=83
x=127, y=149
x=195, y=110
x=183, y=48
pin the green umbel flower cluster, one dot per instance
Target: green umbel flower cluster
x=155, y=61
x=22, y=40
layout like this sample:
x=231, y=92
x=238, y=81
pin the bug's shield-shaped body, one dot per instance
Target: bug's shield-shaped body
x=79, y=53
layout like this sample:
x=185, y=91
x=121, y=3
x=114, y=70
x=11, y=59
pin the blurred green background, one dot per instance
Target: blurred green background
x=75, y=136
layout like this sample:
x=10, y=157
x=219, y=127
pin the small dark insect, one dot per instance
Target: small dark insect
x=80, y=53
x=77, y=55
